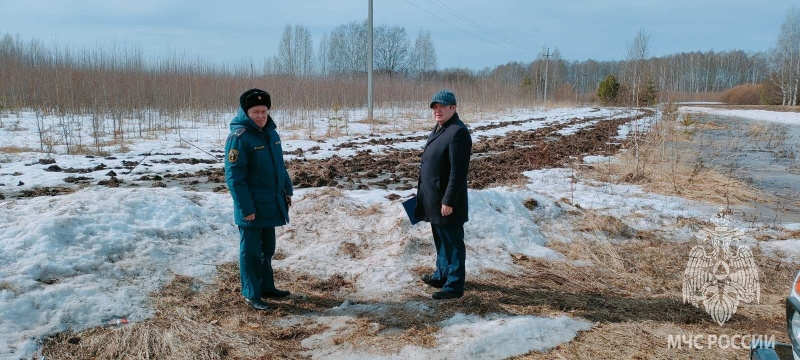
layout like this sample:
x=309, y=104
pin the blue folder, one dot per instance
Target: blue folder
x=409, y=205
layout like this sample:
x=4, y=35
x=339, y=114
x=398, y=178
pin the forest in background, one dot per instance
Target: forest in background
x=124, y=82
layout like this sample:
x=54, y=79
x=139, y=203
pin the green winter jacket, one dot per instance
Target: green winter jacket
x=256, y=173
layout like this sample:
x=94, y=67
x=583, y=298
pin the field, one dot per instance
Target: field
x=581, y=225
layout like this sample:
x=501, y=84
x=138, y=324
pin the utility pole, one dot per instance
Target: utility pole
x=369, y=66
x=583, y=86
x=576, y=87
x=546, y=63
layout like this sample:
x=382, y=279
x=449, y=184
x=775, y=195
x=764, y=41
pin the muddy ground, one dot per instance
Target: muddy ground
x=632, y=293
x=495, y=161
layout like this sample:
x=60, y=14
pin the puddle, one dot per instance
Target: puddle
x=764, y=154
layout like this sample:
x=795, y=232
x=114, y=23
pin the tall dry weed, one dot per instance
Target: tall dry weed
x=746, y=94
x=669, y=163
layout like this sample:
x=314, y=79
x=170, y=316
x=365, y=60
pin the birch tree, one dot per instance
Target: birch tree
x=786, y=57
x=286, y=60
x=323, y=55
x=347, y=49
x=423, y=56
x=304, y=48
x=638, y=51
x=295, y=51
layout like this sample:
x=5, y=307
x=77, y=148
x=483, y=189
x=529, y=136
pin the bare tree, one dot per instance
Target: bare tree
x=786, y=57
x=638, y=52
x=304, y=48
x=295, y=51
x=347, y=51
x=286, y=55
x=423, y=56
x=323, y=55
x=391, y=49
x=271, y=65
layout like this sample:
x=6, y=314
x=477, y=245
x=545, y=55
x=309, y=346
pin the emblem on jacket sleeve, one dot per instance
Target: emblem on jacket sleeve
x=721, y=277
x=233, y=155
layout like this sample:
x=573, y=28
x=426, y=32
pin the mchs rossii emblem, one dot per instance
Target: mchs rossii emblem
x=723, y=275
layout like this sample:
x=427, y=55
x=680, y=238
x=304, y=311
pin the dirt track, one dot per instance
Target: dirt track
x=496, y=161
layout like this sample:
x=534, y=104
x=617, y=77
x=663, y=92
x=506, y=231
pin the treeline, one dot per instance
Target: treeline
x=344, y=52
x=122, y=81
x=681, y=74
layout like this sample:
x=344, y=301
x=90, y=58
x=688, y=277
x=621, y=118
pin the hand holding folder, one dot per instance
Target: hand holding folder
x=409, y=205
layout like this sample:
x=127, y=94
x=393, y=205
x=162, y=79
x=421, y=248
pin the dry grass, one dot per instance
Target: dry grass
x=16, y=149
x=368, y=336
x=692, y=96
x=757, y=130
x=189, y=324
x=10, y=287
x=373, y=209
x=631, y=291
x=351, y=250
x=781, y=108
x=694, y=182
x=375, y=121
x=87, y=150
x=667, y=164
x=609, y=225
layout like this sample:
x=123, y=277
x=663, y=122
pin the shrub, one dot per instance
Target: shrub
x=747, y=94
x=608, y=90
x=770, y=93
x=648, y=94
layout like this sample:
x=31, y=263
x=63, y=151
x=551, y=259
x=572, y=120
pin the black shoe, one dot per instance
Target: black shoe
x=275, y=293
x=257, y=304
x=444, y=295
x=428, y=279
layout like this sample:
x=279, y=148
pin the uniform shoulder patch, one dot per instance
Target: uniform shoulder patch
x=235, y=133
x=233, y=155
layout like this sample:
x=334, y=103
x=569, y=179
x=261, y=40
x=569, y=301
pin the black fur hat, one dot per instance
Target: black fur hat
x=254, y=97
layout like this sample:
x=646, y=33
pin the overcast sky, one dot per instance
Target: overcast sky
x=466, y=33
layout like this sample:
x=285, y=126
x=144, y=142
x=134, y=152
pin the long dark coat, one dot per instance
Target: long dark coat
x=443, y=174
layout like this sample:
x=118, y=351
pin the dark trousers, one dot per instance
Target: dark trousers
x=450, y=256
x=256, y=247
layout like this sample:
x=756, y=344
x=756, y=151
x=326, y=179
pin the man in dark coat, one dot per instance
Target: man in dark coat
x=262, y=193
x=442, y=194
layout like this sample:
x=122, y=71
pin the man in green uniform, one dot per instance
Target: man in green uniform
x=256, y=176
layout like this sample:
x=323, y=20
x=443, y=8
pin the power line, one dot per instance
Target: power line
x=467, y=32
x=478, y=26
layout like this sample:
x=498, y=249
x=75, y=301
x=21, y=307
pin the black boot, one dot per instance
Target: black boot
x=445, y=295
x=275, y=293
x=428, y=279
x=257, y=304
